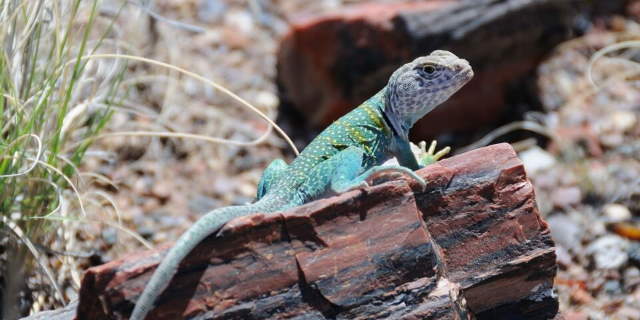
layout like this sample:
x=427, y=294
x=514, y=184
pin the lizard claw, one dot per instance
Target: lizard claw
x=427, y=157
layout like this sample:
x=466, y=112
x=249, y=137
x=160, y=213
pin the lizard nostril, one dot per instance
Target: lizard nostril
x=461, y=66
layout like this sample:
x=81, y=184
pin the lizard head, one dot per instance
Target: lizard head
x=421, y=85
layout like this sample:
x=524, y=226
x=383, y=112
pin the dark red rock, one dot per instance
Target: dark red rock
x=490, y=227
x=330, y=64
x=471, y=244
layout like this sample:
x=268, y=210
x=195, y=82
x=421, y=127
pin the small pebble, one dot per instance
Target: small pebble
x=266, y=99
x=634, y=253
x=562, y=256
x=240, y=21
x=166, y=220
x=142, y=185
x=612, y=287
x=616, y=212
x=612, y=140
x=161, y=190
x=564, y=231
x=566, y=197
x=211, y=10
x=631, y=277
x=631, y=272
x=535, y=159
x=145, y=231
x=609, y=252
x=623, y=121
x=150, y=204
x=110, y=235
x=581, y=297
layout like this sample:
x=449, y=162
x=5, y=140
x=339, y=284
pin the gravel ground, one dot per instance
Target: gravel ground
x=587, y=178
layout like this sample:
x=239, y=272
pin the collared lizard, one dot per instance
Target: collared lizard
x=340, y=158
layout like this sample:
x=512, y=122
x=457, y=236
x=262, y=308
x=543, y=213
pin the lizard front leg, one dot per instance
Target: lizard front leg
x=402, y=151
x=345, y=171
x=341, y=185
x=420, y=159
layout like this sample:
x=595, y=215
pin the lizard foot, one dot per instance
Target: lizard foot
x=392, y=170
x=427, y=157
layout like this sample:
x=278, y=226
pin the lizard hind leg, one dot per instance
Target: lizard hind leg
x=275, y=169
x=334, y=174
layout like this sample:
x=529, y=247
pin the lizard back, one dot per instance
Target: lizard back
x=363, y=127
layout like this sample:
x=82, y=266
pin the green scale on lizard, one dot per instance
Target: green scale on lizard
x=363, y=128
x=341, y=158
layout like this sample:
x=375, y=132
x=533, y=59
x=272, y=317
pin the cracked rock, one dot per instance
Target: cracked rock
x=471, y=245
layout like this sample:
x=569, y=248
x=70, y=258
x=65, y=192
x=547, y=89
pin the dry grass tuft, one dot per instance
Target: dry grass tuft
x=50, y=99
x=77, y=99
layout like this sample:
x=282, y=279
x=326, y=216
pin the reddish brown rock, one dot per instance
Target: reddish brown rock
x=471, y=244
x=490, y=237
x=330, y=64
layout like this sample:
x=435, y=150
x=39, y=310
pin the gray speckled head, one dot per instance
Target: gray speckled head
x=421, y=85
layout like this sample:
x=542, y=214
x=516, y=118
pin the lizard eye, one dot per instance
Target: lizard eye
x=429, y=68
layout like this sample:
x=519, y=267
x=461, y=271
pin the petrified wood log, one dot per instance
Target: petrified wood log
x=471, y=244
x=328, y=64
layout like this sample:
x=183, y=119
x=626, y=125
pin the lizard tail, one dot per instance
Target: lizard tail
x=209, y=224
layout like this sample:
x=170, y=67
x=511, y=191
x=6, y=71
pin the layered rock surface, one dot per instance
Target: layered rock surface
x=471, y=244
